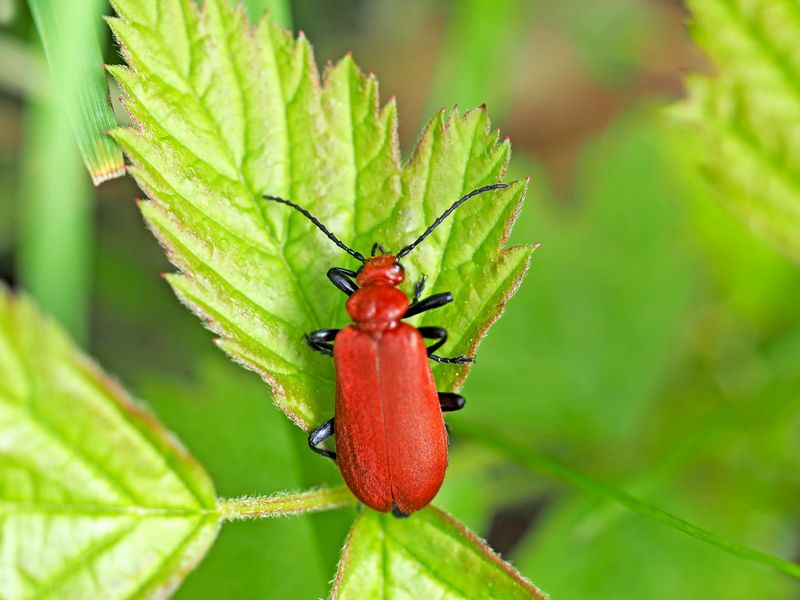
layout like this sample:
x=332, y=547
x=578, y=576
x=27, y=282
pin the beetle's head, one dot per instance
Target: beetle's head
x=382, y=269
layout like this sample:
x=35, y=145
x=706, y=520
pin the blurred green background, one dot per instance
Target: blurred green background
x=653, y=344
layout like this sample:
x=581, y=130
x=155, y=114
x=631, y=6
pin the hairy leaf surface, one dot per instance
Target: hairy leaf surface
x=428, y=555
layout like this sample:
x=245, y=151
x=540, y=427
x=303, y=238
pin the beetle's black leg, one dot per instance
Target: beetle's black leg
x=440, y=335
x=319, y=435
x=418, y=287
x=434, y=333
x=451, y=402
x=320, y=340
x=431, y=302
x=341, y=279
x=397, y=513
x=454, y=360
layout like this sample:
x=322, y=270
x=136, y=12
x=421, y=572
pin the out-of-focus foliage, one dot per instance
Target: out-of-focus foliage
x=613, y=282
x=7, y=11
x=612, y=38
x=749, y=111
x=55, y=222
x=474, y=68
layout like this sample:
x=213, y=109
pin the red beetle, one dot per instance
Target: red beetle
x=391, y=439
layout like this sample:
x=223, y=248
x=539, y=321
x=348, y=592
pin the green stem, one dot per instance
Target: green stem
x=56, y=222
x=549, y=466
x=279, y=505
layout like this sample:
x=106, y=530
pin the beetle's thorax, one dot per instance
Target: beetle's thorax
x=378, y=304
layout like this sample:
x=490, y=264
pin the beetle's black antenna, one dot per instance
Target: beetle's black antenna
x=376, y=246
x=445, y=214
x=315, y=221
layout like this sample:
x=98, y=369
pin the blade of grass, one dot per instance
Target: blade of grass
x=69, y=34
x=478, y=55
x=56, y=228
x=284, y=504
x=547, y=465
x=279, y=10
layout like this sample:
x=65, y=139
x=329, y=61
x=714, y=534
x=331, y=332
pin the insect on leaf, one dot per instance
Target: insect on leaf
x=96, y=499
x=226, y=114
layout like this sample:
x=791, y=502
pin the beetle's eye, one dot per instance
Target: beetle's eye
x=398, y=265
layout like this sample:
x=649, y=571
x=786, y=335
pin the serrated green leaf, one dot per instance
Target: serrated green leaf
x=750, y=111
x=226, y=114
x=428, y=555
x=96, y=498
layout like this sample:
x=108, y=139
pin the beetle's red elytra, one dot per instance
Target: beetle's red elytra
x=391, y=439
